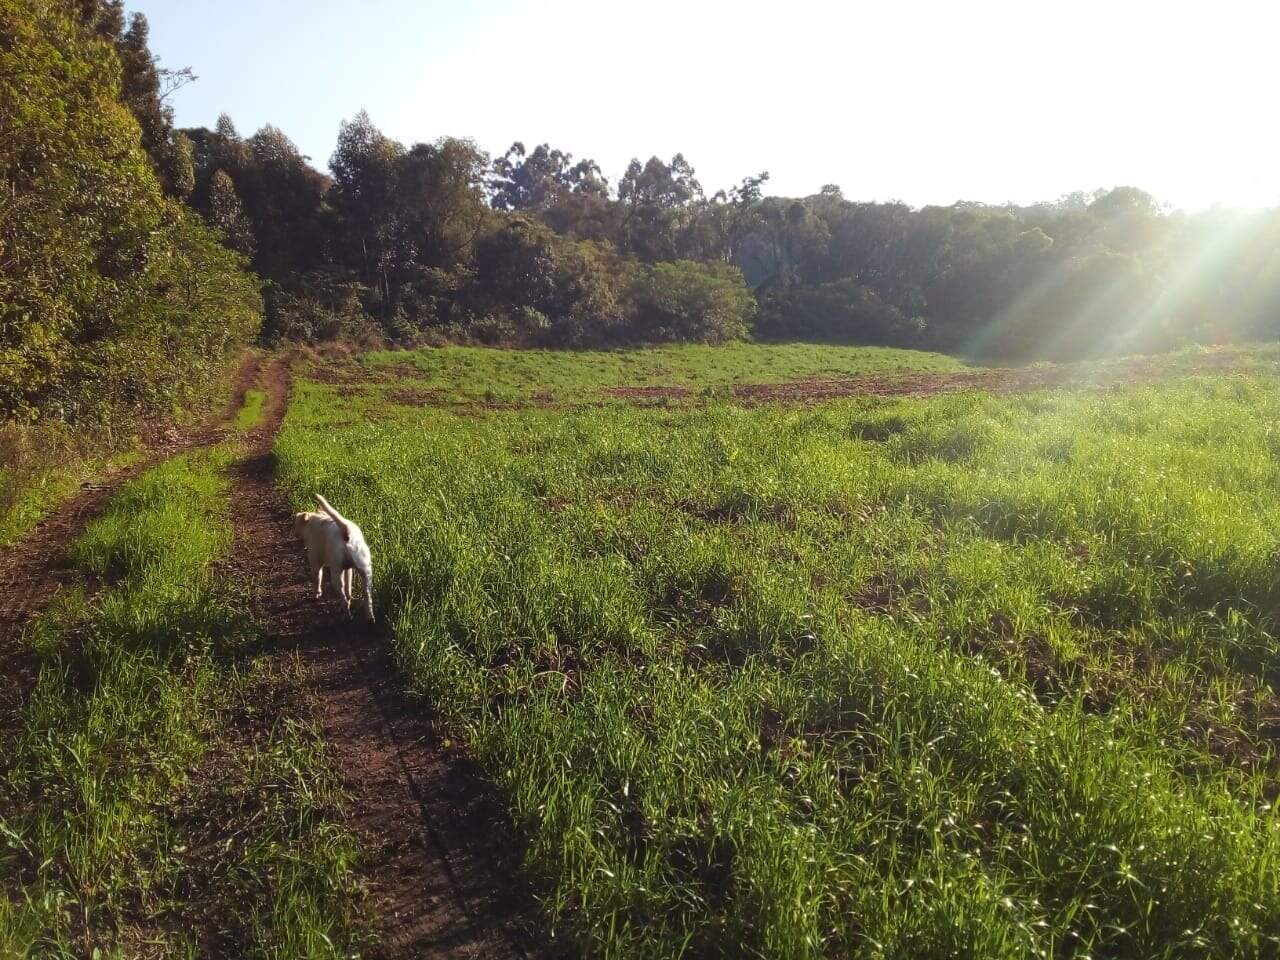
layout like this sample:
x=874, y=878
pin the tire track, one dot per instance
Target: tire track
x=36, y=569
x=438, y=886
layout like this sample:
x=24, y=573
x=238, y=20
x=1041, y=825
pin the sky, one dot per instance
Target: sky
x=924, y=102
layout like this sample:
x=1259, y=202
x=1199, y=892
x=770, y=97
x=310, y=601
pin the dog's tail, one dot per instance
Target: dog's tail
x=337, y=518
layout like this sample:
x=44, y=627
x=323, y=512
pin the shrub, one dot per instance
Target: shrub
x=318, y=306
x=536, y=285
x=684, y=300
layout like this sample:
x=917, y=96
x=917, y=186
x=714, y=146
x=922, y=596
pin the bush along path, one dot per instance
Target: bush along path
x=433, y=859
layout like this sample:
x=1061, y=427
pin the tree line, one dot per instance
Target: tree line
x=535, y=246
x=436, y=239
x=134, y=256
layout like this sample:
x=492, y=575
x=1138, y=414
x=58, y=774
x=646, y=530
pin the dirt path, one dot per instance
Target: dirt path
x=435, y=860
x=36, y=569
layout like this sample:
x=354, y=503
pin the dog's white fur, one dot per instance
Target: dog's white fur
x=335, y=544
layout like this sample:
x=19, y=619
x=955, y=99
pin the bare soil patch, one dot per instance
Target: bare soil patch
x=993, y=379
x=419, y=397
x=650, y=394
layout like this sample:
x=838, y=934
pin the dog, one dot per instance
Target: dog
x=336, y=544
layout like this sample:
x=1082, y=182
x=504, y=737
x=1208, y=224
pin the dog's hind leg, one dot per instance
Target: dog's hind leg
x=343, y=582
x=317, y=574
x=366, y=578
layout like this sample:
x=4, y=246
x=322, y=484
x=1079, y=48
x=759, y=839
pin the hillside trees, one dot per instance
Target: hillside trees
x=282, y=195
x=726, y=220
x=658, y=202
x=441, y=202
x=407, y=220
x=114, y=299
x=366, y=168
x=145, y=87
x=435, y=238
x=414, y=238
x=226, y=214
x=412, y=234
x=573, y=198
x=1093, y=274
x=284, y=198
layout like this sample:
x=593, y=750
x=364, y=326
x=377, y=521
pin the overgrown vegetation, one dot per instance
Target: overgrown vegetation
x=156, y=800
x=115, y=300
x=41, y=465
x=967, y=675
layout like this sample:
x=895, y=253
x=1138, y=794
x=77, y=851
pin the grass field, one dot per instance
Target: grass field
x=516, y=376
x=157, y=800
x=963, y=675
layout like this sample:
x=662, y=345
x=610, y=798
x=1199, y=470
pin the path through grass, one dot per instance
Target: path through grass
x=253, y=410
x=157, y=800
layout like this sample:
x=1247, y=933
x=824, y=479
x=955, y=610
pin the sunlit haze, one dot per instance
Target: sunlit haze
x=922, y=102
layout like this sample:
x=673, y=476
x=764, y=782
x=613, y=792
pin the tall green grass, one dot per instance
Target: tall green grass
x=480, y=373
x=42, y=466
x=136, y=815
x=972, y=675
x=252, y=411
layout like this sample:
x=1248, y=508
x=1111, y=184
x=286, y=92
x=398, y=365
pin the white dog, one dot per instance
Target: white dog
x=336, y=544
